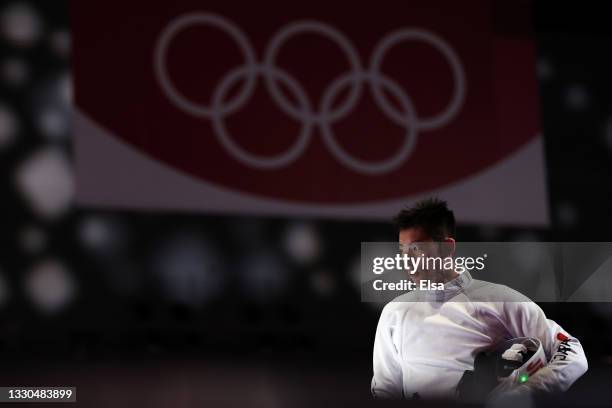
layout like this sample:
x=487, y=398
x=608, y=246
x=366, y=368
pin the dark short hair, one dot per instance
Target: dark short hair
x=432, y=215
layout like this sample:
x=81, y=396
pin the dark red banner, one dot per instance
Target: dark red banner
x=317, y=103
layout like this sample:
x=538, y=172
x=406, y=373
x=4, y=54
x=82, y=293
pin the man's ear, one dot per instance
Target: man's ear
x=450, y=245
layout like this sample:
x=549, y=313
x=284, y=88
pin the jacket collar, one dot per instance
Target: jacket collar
x=451, y=289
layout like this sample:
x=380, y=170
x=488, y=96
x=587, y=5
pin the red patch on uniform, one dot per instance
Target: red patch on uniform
x=562, y=337
x=534, y=366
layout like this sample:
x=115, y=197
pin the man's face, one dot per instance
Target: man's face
x=415, y=242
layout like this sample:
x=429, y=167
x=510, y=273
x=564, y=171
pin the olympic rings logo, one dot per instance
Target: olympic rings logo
x=311, y=117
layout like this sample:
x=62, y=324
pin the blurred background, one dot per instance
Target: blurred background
x=158, y=307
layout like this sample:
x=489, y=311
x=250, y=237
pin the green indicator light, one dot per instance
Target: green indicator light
x=523, y=378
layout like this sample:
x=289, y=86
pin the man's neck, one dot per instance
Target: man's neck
x=441, y=277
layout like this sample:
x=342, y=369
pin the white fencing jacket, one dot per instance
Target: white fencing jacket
x=425, y=340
